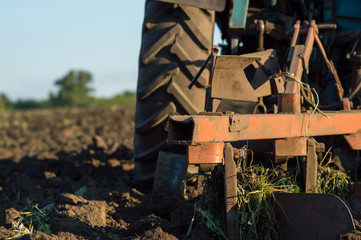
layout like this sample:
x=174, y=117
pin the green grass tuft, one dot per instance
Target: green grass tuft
x=32, y=217
x=331, y=180
x=81, y=191
x=256, y=185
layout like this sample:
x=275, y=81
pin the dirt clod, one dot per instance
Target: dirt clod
x=91, y=212
x=157, y=233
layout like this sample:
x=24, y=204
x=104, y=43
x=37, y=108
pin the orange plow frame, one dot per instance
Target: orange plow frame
x=208, y=136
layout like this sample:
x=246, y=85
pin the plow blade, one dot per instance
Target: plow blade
x=311, y=216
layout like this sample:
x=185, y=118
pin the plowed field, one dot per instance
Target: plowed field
x=67, y=174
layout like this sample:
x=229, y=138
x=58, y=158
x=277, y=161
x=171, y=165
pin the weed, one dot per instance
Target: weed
x=11, y=143
x=31, y=216
x=22, y=125
x=92, y=131
x=330, y=180
x=67, y=122
x=256, y=185
x=81, y=191
x=20, y=230
x=17, y=195
x=210, y=208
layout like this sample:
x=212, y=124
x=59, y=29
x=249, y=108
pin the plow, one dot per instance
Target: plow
x=299, y=109
x=291, y=132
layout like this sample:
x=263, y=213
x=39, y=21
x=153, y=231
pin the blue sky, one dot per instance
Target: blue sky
x=42, y=40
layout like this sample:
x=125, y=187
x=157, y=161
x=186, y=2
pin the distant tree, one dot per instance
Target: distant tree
x=31, y=104
x=5, y=102
x=74, y=89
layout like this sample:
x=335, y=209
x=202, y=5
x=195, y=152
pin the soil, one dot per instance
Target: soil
x=76, y=165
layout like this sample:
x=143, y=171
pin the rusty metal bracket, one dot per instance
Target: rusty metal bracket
x=291, y=147
x=310, y=167
x=289, y=102
x=354, y=140
x=206, y=153
x=230, y=193
x=235, y=124
x=305, y=148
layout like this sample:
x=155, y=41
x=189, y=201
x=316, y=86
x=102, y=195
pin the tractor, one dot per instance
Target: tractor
x=285, y=81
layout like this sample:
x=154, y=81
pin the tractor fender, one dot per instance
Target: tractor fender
x=216, y=5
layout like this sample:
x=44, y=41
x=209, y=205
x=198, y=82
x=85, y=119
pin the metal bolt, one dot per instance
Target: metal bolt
x=239, y=153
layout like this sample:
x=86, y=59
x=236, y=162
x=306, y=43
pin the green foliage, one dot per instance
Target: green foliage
x=210, y=207
x=330, y=180
x=81, y=191
x=5, y=102
x=127, y=98
x=256, y=185
x=74, y=90
x=31, y=104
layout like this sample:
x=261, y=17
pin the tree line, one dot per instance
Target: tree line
x=74, y=91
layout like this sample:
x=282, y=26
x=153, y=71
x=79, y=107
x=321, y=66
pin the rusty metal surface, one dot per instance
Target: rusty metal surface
x=229, y=80
x=310, y=39
x=290, y=147
x=296, y=68
x=278, y=85
x=347, y=105
x=296, y=31
x=311, y=216
x=199, y=128
x=301, y=56
x=206, y=153
x=289, y=102
x=354, y=140
x=310, y=167
x=266, y=66
x=230, y=193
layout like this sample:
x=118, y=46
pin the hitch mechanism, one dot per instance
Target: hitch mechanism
x=290, y=128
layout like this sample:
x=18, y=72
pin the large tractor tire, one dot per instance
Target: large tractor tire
x=176, y=40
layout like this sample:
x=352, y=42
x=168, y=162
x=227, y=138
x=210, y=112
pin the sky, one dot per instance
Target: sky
x=42, y=40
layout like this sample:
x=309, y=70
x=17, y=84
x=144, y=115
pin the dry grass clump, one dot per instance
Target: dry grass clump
x=256, y=215
x=30, y=217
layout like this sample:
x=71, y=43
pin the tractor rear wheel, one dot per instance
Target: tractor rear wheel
x=176, y=40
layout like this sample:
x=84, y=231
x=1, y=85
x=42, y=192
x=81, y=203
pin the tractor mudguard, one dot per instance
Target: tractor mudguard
x=216, y=5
